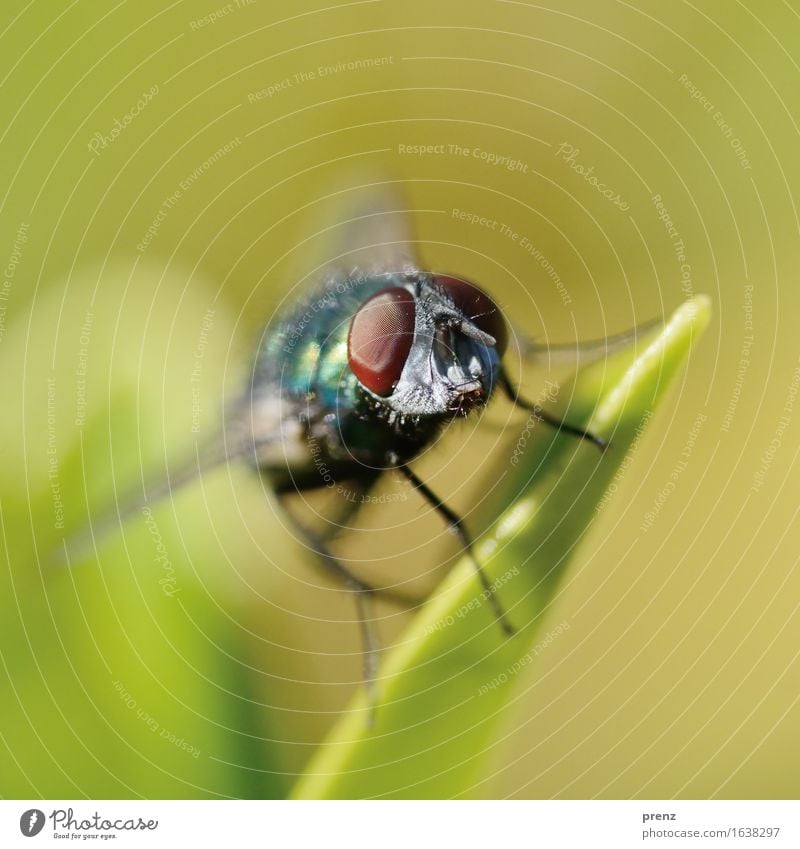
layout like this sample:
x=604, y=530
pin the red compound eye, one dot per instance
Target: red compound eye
x=478, y=307
x=380, y=338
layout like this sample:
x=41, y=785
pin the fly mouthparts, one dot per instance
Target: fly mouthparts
x=467, y=399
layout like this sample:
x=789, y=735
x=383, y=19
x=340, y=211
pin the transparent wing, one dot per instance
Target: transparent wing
x=236, y=441
x=363, y=225
x=581, y=352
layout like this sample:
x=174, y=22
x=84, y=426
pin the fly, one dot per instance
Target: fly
x=353, y=381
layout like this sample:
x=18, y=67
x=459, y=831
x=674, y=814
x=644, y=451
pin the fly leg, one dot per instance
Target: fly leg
x=456, y=527
x=362, y=592
x=541, y=415
x=359, y=488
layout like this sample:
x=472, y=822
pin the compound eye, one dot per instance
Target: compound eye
x=380, y=338
x=478, y=307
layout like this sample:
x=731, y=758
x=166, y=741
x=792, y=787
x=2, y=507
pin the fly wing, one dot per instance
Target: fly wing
x=580, y=352
x=219, y=449
x=364, y=228
x=263, y=435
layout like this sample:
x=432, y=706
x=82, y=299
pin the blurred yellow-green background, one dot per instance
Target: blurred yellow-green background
x=171, y=172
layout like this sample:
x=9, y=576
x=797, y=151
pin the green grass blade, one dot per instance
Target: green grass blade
x=445, y=684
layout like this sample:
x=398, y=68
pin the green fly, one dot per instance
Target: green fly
x=356, y=377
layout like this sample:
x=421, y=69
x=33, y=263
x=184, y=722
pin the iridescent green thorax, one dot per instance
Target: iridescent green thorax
x=305, y=351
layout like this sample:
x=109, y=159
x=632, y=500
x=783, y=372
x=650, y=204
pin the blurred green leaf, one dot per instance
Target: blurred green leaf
x=128, y=675
x=445, y=684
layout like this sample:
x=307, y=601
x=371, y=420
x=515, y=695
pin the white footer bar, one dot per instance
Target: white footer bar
x=402, y=825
